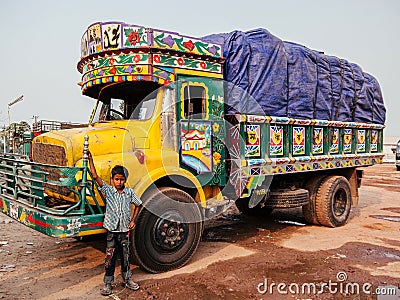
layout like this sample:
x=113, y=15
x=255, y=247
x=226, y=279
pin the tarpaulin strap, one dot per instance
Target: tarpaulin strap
x=330, y=92
x=316, y=89
x=337, y=106
x=355, y=99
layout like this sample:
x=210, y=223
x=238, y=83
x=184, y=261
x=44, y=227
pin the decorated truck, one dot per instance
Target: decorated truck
x=201, y=123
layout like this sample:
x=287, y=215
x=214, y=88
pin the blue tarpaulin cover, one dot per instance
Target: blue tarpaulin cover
x=266, y=75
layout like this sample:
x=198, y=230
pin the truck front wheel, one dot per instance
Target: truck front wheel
x=168, y=231
x=333, y=201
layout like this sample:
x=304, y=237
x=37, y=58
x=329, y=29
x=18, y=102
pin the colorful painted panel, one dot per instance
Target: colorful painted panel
x=134, y=37
x=115, y=71
x=104, y=36
x=335, y=141
x=196, y=145
x=253, y=144
x=164, y=75
x=112, y=37
x=115, y=65
x=276, y=140
x=84, y=45
x=299, y=140
x=94, y=38
x=318, y=141
x=374, y=141
x=177, y=42
x=186, y=63
x=347, y=140
x=361, y=140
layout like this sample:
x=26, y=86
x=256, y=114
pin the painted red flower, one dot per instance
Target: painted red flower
x=113, y=70
x=133, y=37
x=189, y=45
x=156, y=58
x=137, y=58
x=203, y=65
x=112, y=61
x=180, y=61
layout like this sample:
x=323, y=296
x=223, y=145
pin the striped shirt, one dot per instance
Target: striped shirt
x=118, y=207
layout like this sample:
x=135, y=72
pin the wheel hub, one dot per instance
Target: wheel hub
x=339, y=204
x=170, y=232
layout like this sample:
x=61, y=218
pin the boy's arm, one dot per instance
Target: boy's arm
x=93, y=170
x=132, y=224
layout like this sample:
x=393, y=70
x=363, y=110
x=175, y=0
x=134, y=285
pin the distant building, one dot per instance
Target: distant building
x=389, y=142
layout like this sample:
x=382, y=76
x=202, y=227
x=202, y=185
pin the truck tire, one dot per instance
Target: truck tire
x=309, y=210
x=166, y=236
x=333, y=201
x=287, y=198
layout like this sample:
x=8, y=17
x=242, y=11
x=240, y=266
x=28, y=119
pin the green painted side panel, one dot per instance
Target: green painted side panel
x=209, y=165
x=56, y=226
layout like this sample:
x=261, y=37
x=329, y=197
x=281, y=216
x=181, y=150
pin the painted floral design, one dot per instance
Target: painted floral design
x=203, y=65
x=137, y=58
x=189, y=45
x=129, y=69
x=183, y=45
x=180, y=61
x=215, y=127
x=133, y=37
x=168, y=40
x=212, y=49
x=217, y=157
x=156, y=58
x=113, y=70
x=374, y=137
x=111, y=61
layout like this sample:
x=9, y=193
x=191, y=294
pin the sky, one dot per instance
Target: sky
x=40, y=42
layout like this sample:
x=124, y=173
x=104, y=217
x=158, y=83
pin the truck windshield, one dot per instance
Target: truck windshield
x=124, y=103
x=117, y=109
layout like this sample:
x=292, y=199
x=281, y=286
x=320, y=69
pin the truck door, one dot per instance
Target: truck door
x=201, y=132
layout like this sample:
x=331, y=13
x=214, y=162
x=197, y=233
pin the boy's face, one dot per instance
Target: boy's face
x=119, y=181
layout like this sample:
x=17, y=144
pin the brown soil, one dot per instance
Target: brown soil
x=238, y=258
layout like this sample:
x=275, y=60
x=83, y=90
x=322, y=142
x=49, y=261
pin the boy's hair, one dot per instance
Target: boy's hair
x=120, y=170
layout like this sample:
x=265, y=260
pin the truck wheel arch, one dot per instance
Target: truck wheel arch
x=170, y=177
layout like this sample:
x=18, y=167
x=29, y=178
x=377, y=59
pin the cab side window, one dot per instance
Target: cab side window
x=195, y=102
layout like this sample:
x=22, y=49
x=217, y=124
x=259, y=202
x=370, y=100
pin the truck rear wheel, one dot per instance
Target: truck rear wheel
x=167, y=232
x=309, y=210
x=333, y=201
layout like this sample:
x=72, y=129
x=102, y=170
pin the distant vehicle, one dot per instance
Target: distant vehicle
x=398, y=156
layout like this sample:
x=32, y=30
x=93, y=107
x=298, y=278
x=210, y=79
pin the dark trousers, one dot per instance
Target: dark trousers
x=117, y=244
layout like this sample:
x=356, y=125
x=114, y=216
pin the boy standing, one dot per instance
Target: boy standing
x=118, y=222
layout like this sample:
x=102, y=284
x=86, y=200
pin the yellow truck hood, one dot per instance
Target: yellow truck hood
x=103, y=140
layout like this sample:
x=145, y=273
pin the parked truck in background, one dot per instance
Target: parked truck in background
x=398, y=156
x=193, y=142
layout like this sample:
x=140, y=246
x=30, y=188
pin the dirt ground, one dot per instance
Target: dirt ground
x=240, y=257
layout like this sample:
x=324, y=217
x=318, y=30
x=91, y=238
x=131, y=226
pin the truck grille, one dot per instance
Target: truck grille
x=49, y=154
